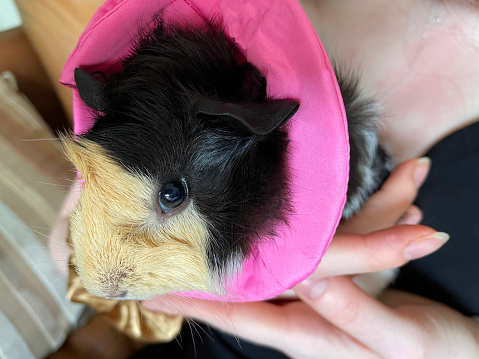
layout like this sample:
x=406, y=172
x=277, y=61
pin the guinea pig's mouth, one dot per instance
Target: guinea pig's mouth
x=120, y=296
x=123, y=283
x=124, y=297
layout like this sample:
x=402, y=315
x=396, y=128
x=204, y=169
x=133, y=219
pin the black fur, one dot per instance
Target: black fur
x=370, y=163
x=237, y=179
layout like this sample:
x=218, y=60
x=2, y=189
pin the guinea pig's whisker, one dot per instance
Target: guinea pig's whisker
x=192, y=336
x=64, y=178
x=228, y=323
x=46, y=262
x=50, y=184
x=35, y=246
x=59, y=278
x=178, y=340
x=194, y=325
x=197, y=325
x=40, y=139
x=37, y=232
x=187, y=300
x=232, y=325
x=65, y=245
x=38, y=227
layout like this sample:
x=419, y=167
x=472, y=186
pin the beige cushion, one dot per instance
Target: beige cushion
x=35, y=317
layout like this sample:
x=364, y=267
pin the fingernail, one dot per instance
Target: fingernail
x=422, y=169
x=312, y=288
x=425, y=246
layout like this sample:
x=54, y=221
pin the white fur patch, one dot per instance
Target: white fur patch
x=375, y=283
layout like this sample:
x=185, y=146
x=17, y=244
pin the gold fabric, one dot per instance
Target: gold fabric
x=127, y=315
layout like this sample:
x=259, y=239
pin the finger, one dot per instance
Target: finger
x=413, y=215
x=386, y=206
x=364, y=318
x=252, y=321
x=59, y=249
x=394, y=298
x=293, y=328
x=71, y=199
x=372, y=252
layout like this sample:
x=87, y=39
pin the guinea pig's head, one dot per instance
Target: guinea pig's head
x=184, y=169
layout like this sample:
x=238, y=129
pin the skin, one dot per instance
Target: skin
x=418, y=57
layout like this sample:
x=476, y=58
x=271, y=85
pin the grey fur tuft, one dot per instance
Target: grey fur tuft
x=370, y=163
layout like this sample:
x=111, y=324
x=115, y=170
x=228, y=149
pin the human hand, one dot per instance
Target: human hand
x=335, y=319
x=60, y=250
x=401, y=325
x=294, y=327
x=392, y=203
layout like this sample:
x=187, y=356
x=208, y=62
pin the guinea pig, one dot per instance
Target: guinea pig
x=185, y=166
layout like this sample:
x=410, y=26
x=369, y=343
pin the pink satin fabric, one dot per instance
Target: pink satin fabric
x=278, y=38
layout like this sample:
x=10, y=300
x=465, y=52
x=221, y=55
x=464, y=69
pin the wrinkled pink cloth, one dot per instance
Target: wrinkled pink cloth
x=277, y=37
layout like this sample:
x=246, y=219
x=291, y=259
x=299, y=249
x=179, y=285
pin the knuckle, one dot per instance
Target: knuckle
x=347, y=311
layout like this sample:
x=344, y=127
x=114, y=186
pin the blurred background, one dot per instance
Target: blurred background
x=36, y=320
x=9, y=16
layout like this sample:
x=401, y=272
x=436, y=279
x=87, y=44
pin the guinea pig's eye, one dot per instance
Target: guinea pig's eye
x=172, y=194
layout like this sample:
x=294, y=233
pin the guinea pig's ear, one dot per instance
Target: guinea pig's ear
x=90, y=90
x=258, y=118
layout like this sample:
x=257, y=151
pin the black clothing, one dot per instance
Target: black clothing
x=449, y=199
